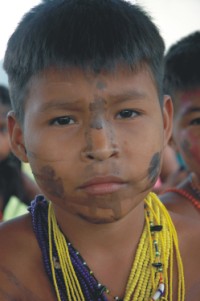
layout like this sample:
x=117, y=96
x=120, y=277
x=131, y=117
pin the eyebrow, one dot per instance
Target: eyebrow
x=191, y=110
x=75, y=104
x=59, y=104
x=127, y=95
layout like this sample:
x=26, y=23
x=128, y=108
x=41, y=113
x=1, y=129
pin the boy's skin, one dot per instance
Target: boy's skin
x=117, y=132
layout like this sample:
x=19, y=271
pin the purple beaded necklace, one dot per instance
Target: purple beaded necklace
x=91, y=288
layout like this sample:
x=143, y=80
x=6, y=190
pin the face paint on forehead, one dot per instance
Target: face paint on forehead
x=154, y=168
x=101, y=85
x=190, y=94
x=98, y=105
x=50, y=182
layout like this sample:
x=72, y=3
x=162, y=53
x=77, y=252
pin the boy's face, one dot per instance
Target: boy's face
x=94, y=142
x=186, y=130
x=4, y=136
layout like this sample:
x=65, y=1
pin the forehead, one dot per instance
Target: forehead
x=74, y=81
x=186, y=99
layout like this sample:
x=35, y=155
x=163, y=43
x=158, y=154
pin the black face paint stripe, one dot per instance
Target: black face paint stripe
x=154, y=168
x=52, y=183
x=101, y=85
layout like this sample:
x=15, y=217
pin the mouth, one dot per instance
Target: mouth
x=102, y=185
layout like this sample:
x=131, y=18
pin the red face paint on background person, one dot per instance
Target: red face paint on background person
x=186, y=131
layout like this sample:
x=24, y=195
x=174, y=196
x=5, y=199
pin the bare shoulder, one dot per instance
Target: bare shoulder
x=188, y=230
x=21, y=269
x=16, y=237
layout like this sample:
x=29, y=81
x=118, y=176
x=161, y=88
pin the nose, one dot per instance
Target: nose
x=100, y=145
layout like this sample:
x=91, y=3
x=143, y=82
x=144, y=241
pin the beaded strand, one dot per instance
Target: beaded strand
x=194, y=187
x=151, y=275
x=187, y=195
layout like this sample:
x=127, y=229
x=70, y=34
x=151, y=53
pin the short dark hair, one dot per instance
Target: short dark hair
x=182, y=65
x=89, y=34
x=4, y=96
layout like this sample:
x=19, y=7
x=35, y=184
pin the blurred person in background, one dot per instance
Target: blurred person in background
x=13, y=181
x=182, y=82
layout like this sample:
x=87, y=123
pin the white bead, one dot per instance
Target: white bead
x=156, y=296
x=161, y=287
x=159, y=292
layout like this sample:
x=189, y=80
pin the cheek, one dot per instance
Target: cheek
x=48, y=179
x=190, y=144
x=49, y=147
x=143, y=158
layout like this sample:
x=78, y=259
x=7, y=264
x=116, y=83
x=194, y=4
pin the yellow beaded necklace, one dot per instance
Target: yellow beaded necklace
x=151, y=276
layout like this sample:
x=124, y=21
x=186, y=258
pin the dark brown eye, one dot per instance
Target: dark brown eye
x=127, y=113
x=63, y=120
x=195, y=121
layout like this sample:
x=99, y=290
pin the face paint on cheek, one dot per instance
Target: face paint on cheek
x=154, y=168
x=195, y=151
x=50, y=182
x=191, y=147
x=185, y=146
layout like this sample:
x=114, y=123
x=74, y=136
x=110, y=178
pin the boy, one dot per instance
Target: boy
x=13, y=181
x=182, y=82
x=89, y=115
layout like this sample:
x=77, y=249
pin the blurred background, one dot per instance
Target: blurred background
x=174, y=18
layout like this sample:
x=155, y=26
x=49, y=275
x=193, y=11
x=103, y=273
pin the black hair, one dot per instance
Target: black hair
x=182, y=65
x=4, y=96
x=93, y=35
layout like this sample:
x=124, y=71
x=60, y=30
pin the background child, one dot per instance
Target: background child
x=90, y=117
x=13, y=181
x=182, y=82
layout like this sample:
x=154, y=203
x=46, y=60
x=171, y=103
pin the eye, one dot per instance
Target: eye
x=195, y=121
x=127, y=113
x=63, y=120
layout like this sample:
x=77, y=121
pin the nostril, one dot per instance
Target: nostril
x=90, y=156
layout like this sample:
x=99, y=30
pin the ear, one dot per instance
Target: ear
x=167, y=118
x=16, y=137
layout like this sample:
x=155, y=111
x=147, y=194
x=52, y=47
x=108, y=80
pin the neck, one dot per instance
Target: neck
x=85, y=235
x=106, y=248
